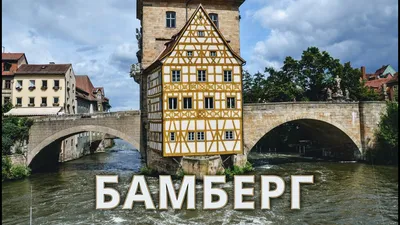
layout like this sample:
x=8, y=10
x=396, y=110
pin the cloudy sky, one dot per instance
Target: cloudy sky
x=98, y=36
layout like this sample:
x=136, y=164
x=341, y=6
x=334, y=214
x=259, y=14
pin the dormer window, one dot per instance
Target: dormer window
x=171, y=19
x=7, y=66
x=214, y=18
x=200, y=33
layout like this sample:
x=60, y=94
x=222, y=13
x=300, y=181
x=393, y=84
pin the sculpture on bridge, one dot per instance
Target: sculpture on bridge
x=347, y=93
x=329, y=93
x=338, y=95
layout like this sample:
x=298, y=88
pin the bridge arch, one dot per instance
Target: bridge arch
x=65, y=133
x=258, y=123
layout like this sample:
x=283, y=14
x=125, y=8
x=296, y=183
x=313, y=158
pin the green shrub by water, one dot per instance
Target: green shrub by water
x=13, y=172
x=386, y=149
x=147, y=171
x=237, y=170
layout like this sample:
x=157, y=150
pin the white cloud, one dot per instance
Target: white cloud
x=355, y=30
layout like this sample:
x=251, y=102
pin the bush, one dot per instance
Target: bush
x=14, y=129
x=13, y=172
x=19, y=171
x=237, y=170
x=147, y=171
x=386, y=147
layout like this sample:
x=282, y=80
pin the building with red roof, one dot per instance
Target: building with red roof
x=89, y=98
x=384, y=81
x=10, y=62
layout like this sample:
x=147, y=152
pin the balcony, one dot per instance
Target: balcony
x=18, y=105
x=56, y=104
x=31, y=104
x=43, y=105
x=32, y=88
x=56, y=88
x=44, y=88
x=19, y=88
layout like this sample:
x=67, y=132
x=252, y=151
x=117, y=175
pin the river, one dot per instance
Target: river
x=343, y=193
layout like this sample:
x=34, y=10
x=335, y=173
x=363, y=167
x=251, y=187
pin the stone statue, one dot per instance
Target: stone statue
x=329, y=93
x=347, y=93
x=338, y=81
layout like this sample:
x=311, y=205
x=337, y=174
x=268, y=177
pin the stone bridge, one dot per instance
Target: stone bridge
x=45, y=131
x=336, y=123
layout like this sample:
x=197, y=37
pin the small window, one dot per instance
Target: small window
x=19, y=101
x=56, y=83
x=172, y=103
x=31, y=101
x=44, y=83
x=19, y=84
x=191, y=136
x=171, y=19
x=214, y=18
x=201, y=75
x=7, y=84
x=209, y=103
x=200, y=33
x=200, y=136
x=32, y=83
x=187, y=103
x=230, y=103
x=6, y=100
x=213, y=53
x=189, y=53
x=7, y=66
x=228, y=76
x=176, y=75
x=172, y=136
x=44, y=100
x=55, y=100
x=229, y=135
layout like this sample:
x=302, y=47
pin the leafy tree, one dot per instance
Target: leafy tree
x=387, y=139
x=6, y=107
x=306, y=79
x=14, y=129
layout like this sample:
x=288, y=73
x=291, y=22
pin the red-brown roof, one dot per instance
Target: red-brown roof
x=11, y=56
x=377, y=83
x=43, y=69
x=84, y=84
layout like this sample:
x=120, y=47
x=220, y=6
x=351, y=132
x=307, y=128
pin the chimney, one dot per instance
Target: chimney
x=51, y=63
x=363, y=74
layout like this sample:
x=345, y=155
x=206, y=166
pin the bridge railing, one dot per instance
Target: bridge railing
x=87, y=115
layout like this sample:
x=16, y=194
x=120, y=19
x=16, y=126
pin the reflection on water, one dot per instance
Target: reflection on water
x=342, y=194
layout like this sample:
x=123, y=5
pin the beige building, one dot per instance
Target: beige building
x=43, y=89
x=10, y=62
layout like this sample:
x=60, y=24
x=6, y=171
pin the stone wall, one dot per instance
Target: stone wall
x=370, y=115
x=154, y=25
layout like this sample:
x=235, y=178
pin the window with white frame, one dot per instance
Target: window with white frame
x=172, y=136
x=201, y=75
x=209, y=102
x=200, y=136
x=187, y=103
x=19, y=84
x=230, y=103
x=228, y=75
x=32, y=83
x=176, y=75
x=171, y=19
x=229, y=135
x=173, y=103
x=191, y=136
x=214, y=18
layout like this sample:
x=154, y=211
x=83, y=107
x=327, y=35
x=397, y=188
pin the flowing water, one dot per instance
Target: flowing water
x=343, y=193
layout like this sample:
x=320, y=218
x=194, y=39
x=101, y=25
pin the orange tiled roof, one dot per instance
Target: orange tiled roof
x=43, y=69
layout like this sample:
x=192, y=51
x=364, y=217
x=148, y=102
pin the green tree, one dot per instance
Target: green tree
x=387, y=139
x=6, y=107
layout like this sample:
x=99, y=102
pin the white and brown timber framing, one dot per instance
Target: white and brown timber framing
x=213, y=122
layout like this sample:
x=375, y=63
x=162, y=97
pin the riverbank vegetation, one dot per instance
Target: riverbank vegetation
x=12, y=172
x=306, y=79
x=386, y=149
x=13, y=130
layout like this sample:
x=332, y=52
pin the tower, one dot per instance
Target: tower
x=190, y=76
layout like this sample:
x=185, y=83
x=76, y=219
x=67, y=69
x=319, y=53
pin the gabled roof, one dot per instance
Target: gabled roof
x=12, y=56
x=170, y=46
x=43, y=69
